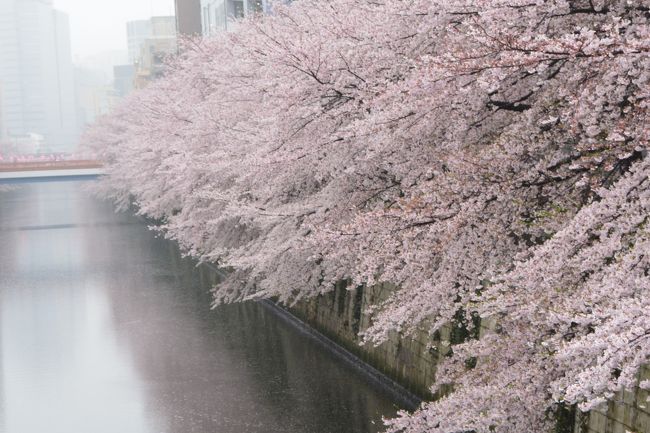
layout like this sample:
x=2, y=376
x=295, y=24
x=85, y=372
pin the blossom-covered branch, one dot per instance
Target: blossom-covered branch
x=485, y=157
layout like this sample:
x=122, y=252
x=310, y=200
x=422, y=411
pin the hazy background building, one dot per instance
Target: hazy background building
x=136, y=32
x=36, y=76
x=94, y=94
x=124, y=80
x=154, y=49
x=163, y=27
x=103, y=61
x=46, y=101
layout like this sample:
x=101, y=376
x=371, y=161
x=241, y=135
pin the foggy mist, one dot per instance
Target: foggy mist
x=58, y=66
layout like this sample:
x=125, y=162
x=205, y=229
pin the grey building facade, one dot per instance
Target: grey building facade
x=188, y=17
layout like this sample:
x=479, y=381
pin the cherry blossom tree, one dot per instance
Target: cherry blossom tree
x=489, y=158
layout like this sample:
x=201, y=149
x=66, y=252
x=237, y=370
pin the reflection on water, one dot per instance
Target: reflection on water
x=105, y=329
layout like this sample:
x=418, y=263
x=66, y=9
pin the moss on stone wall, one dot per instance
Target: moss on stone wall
x=411, y=360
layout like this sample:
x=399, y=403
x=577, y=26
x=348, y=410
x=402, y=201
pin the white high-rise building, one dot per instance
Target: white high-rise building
x=36, y=74
x=136, y=32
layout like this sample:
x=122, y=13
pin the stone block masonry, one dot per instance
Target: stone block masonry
x=341, y=315
x=411, y=360
x=627, y=412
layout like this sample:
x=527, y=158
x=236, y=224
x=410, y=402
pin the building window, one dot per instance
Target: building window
x=257, y=6
x=238, y=9
x=206, y=26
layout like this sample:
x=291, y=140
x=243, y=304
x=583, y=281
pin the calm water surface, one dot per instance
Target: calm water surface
x=105, y=330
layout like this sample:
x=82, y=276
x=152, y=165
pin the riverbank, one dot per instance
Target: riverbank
x=406, y=365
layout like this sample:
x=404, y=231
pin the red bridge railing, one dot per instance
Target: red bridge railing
x=49, y=165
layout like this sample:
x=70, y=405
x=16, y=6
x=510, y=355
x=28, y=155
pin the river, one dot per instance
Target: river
x=105, y=329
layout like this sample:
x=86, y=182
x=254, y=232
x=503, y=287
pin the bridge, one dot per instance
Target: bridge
x=47, y=171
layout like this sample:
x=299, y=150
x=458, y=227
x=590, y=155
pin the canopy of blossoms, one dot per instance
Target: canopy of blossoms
x=487, y=157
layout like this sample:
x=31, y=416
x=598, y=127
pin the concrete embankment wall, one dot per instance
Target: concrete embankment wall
x=412, y=360
x=627, y=412
x=341, y=315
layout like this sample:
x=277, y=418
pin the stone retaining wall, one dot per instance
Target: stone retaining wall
x=341, y=316
x=628, y=412
x=411, y=360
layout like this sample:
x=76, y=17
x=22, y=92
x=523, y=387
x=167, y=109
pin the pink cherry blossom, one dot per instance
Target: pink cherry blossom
x=486, y=157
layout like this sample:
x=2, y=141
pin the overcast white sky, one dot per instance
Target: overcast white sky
x=100, y=25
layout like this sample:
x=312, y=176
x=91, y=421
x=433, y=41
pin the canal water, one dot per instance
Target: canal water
x=104, y=329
